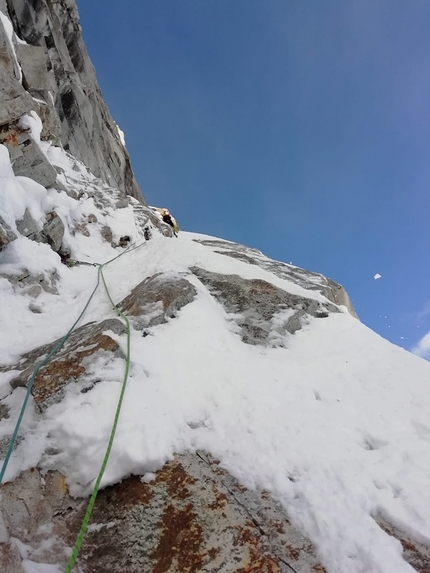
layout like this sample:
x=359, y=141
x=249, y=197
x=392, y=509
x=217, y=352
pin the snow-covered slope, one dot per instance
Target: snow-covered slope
x=284, y=387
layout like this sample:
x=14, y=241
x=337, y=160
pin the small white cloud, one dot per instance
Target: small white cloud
x=377, y=276
x=423, y=347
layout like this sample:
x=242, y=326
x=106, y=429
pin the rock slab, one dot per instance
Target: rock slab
x=263, y=312
x=69, y=363
x=193, y=517
x=156, y=299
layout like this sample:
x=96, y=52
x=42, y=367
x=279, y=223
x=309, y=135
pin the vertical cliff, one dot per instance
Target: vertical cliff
x=45, y=68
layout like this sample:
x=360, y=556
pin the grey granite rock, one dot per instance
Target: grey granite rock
x=14, y=100
x=156, y=299
x=194, y=517
x=10, y=558
x=263, y=312
x=53, y=231
x=58, y=72
x=26, y=279
x=31, y=507
x=306, y=279
x=415, y=553
x=34, y=164
x=122, y=203
x=27, y=227
x=36, y=309
x=145, y=216
x=7, y=59
x=6, y=234
x=13, y=137
x=32, y=60
x=34, y=291
x=106, y=234
x=50, y=120
x=69, y=363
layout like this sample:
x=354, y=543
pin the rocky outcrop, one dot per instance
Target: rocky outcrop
x=51, y=233
x=306, y=279
x=414, y=552
x=145, y=215
x=69, y=363
x=263, y=312
x=27, y=227
x=27, y=157
x=6, y=234
x=48, y=71
x=15, y=101
x=156, y=299
x=29, y=161
x=31, y=283
x=192, y=516
x=31, y=507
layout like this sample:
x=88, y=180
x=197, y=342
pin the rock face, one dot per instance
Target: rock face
x=260, y=309
x=48, y=71
x=27, y=157
x=192, y=517
x=68, y=364
x=31, y=504
x=306, y=279
x=6, y=233
x=157, y=298
x=31, y=162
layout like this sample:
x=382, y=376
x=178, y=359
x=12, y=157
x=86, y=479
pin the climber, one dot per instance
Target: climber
x=167, y=218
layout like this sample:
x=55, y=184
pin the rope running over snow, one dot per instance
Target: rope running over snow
x=90, y=506
x=57, y=347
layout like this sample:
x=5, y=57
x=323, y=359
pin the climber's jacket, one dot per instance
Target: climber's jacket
x=168, y=218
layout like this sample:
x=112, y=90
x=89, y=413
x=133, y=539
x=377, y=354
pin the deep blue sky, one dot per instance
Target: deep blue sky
x=299, y=127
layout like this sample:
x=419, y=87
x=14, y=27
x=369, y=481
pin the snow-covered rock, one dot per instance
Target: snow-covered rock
x=6, y=233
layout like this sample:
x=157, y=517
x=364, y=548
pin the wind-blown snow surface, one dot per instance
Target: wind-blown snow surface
x=336, y=425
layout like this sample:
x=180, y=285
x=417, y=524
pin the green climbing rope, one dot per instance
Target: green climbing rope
x=90, y=506
x=56, y=348
x=129, y=249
